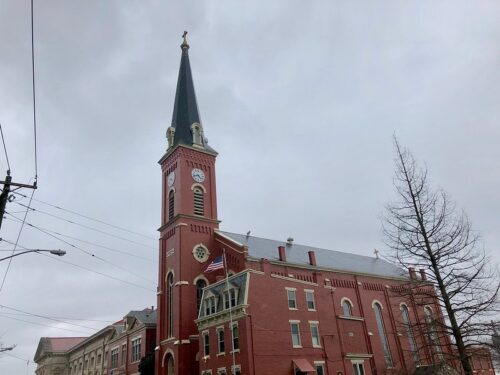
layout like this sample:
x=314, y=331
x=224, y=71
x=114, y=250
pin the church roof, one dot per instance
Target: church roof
x=298, y=254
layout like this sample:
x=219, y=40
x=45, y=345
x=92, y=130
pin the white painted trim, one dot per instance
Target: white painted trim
x=346, y=299
x=182, y=282
x=377, y=301
x=228, y=238
x=200, y=277
x=195, y=185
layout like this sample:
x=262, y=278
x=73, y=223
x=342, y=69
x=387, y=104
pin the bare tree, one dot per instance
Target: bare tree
x=424, y=230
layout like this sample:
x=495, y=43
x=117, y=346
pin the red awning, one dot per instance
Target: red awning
x=303, y=365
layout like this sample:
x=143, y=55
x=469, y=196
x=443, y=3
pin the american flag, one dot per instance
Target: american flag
x=217, y=264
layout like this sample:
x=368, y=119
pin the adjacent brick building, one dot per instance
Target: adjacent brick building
x=286, y=308
x=115, y=350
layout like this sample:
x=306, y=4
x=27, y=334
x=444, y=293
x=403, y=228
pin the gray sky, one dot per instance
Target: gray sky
x=300, y=99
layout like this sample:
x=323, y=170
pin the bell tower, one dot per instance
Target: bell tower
x=188, y=220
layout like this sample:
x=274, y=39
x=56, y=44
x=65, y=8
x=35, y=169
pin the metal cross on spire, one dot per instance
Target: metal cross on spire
x=184, y=41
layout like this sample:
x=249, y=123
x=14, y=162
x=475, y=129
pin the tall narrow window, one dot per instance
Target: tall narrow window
x=346, y=308
x=358, y=368
x=200, y=284
x=409, y=333
x=292, y=299
x=294, y=327
x=220, y=337
x=199, y=205
x=171, y=205
x=236, y=337
x=206, y=344
x=310, y=300
x=383, y=335
x=432, y=332
x=170, y=302
x=315, y=335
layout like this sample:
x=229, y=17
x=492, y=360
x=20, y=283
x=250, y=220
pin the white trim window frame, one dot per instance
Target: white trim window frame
x=206, y=344
x=358, y=367
x=221, y=343
x=319, y=366
x=136, y=350
x=295, y=333
x=291, y=296
x=315, y=337
x=310, y=301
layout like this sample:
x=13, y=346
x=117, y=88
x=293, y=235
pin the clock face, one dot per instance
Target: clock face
x=198, y=175
x=171, y=179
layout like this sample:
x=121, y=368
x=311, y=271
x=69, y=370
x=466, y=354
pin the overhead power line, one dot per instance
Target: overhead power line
x=5, y=148
x=43, y=325
x=88, y=217
x=98, y=245
x=86, y=268
x=85, y=226
x=61, y=317
x=34, y=91
x=89, y=253
x=23, y=221
x=46, y=317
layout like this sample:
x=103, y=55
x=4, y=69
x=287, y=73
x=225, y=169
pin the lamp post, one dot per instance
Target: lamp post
x=59, y=253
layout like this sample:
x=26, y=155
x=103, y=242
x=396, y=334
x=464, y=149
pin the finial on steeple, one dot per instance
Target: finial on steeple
x=184, y=40
x=376, y=253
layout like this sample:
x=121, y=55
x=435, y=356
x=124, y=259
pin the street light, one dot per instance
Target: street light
x=58, y=252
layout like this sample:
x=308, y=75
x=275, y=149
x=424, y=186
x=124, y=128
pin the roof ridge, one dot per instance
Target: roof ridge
x=314, y=247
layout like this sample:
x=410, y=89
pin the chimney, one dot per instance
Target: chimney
x=423, y=276
x=413, y=273
x=312, y=258
x=282, y=253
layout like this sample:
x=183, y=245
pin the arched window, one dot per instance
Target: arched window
x=170, y=303
x=409, y=331
x=200, y=284
x=199, y=205
x=346, y=308
x=171, y=205
x=432, y=332
x=383, y=335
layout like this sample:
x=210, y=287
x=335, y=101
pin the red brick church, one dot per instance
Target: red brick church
x=285, y=308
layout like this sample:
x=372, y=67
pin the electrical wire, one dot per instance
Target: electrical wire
x=85, y=226
x=87, y=217
x=58, y=317
x=34, y=91
x=102, y=246
x=15, y=356
x=98, y=273
x=44, y=317
x=43, y=325
x=83, y=250
x=17, y=241
x=87, y=269
x=5, y=148
x=94, y=244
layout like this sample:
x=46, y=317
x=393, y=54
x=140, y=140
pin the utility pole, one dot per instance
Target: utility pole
x=4, y=197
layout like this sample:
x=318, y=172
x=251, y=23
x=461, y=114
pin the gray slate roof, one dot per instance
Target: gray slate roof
x=298, y=254
x=146, y=316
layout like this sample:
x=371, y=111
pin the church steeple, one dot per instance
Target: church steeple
x=186, y=128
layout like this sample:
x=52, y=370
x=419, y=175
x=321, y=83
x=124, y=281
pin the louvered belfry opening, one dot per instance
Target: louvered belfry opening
x=199, y=206
x=171, y=205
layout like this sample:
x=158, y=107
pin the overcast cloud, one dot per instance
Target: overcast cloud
x=300, y=99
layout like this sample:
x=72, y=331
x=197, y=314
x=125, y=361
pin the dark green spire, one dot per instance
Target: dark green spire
x=186, y=126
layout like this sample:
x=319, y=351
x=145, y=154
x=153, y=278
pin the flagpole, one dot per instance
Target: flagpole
x=230, y=309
